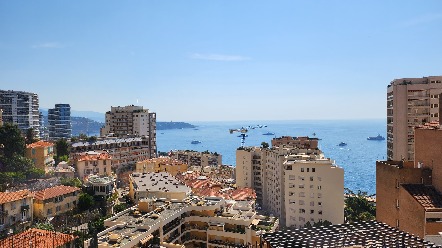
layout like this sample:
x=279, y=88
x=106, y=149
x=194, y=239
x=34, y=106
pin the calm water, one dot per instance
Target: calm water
x=358, y=158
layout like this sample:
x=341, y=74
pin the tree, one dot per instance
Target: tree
x=12, y=140
x=62, y=149
x=264, y=145
x=73, y=182
x=85, y=202
x=30, y=138
x=44, y=226
x=358, y=207
x=92, y=139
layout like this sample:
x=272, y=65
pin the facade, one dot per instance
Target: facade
x=156, y=185
x=37, y=238
x=20, y=108
x=101, y=186
x=162, y=164
x=124, y=152
x=54, y=201
x=59, y=122
x=194, y=158
x=41, y=153
x=410, y=102
x=1, y=117
x=16, y=210
x=92, y=163
x=295, y=183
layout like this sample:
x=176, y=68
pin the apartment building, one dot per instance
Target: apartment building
x=194, y=158
x=41, y=153
x=410, y=102
x=20, y=108
x=54, y=201
x=1, y=117
x=124, y=152
x=408, y=193
x=92, y=163
x=59, y=122
x=297, y=183
x=16, y=210
x=161, y=164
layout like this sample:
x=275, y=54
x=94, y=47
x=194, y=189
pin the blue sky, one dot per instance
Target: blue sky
x=219, y=60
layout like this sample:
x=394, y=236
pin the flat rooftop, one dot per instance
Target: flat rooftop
x=161, y=181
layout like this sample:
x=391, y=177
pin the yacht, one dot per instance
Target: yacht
x=379, y=137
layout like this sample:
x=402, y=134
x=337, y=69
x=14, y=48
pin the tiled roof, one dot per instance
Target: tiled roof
x=427, y=196
x=54, y=191
x=13, y=196
x=93, y=156
x=40, y=143
x=37, y=238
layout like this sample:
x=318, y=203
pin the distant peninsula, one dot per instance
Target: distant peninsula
x=173, y=125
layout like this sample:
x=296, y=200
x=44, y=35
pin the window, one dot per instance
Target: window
x=312, y=211
x=319, y=195
x=312, y=195
x=308, y=169
x=312, y=204
x=302, y=211
x=397, y=203
x=301, y=202
x=49, y=211
x=319, y=203
x=13, y=205
x=313, y=169
x=302, y=169
x=58, y=208
x=301, y=194
x=319, y=187
x=320, y=212
x=301, y=186
x=311, y=179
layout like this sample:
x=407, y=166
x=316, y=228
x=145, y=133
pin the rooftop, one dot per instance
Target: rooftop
x=362, y=234
x=13, y=196
x=37, y=238
x=427, y=196
x=91, y=156
x=54, y=192
x=161, y=181
x=40, y=143
x=107, y=141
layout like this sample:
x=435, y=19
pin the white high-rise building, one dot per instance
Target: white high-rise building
x=20, y=108
x=293, y=182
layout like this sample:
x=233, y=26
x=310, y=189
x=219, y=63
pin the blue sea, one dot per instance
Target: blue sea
x=358, y=158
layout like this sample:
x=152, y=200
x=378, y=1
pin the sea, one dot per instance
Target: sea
x=358, y=157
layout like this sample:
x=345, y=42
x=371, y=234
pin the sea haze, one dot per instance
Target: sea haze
x=358, y=158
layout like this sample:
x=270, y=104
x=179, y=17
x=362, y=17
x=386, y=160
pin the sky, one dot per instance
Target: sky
x=219, y=60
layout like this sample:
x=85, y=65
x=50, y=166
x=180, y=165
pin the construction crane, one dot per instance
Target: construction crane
x=243, y=132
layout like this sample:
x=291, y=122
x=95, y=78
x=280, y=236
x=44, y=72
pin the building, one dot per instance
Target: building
x=59, y=122
x=156, y=185
x=16, y=210
x=93, y=163
x=37, y=238
x=410, y=102
x=54, y=201
x=124, y=152
x=131, y=121
x=357, y=235
x=100, y=185
x=1, y=117
x=194, y=158
x=41, y=153
x=63, y=169
x=296, y=183
x=20, y=108
x=162, y=164
x=408, y=193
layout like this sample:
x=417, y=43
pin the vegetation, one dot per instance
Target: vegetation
x=30, y=138
x=62, y=149
x=318, y=224
x=264, y=145
x=358, y=207
x=120, y=207
x=74, y=182
x=85, y=202
x=44, y=226
x=11, y=140
x=92, y=139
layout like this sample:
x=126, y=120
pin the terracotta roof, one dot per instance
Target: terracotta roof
x=427, y=196
x=39, y=238
x=93, y=156
x=13, y=196
x=54, y=191
x=40, y=143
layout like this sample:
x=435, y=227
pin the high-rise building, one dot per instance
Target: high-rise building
x=410, y=102
x=1, y=117
x=20, y=108
x=130, y=121
x=59, y=122
x=293, y=181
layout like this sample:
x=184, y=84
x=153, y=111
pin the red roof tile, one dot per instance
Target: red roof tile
x=38, y=238
x=40, y=143
x=13, y=196
x=54, y=191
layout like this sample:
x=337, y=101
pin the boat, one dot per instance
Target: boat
x=342, y=144
x=268, y=133
x=379, y=137
x=245, y=135
x=195, y=142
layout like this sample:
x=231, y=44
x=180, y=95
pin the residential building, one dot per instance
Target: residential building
x=44, y=135
x=63, y=169
x=124, y=152
x=131, y=121
x=408, y=193
x=93, y=163
x=37, y=238
x=161, y=164
x=20, y=108
x=1, y=117
x=59, y=122
x=101, y=185
x=410, y=102
x=16, y=210
x=359, y=234
x=194, y=158
x=54, y=201
x=41, y=153
x=156, y=185
x=296, y=183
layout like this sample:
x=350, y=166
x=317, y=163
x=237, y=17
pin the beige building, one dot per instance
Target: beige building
x=297, y=184
x=41, y=153
x=16, y=210
x=162, y=164
x=156, y=185
x=410, y=102
x=93, y=163
x=54, y=201
x=194, y=158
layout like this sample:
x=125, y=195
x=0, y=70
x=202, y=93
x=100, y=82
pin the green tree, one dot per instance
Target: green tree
x=82, y=136
x=30, y=137
x=120, y=207
x=12, y=140
x=85, y=202
x=92, y=139
x=62, y=147
x=358, y=207
x=44, y=226
x=73, y=182
x=264, y=145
